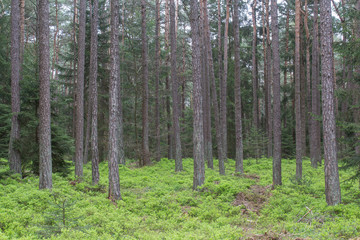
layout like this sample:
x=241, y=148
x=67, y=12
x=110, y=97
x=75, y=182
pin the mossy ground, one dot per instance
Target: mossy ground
x=159, y=203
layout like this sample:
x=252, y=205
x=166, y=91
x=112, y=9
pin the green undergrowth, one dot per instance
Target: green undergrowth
x=159, y=203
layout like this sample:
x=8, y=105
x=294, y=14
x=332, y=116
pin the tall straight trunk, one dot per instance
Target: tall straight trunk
x=299, y=150
x=332, y=184
x=264, y=45
x=219, y=43
x=45, y=168
x=198, y=134
x=223, y=93
x=239, y=155
x=145, y=90
x=286, y=55
x=276, y=94
x=14, y=154
x=75, y=22
x=220, y=153
x=175, y=91
x=269, y=116
x=212, y=83
x=94, y=93
x=206, y=88
x=315, y=139
x=356, y=98
x=79, y=139
x=167, y=80
x=308, y=76
x=255, y=107
x=302, y=88
x=157, y=80
x=114, y=181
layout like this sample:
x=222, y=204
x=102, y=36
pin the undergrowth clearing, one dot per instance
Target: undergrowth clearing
x=158, y=203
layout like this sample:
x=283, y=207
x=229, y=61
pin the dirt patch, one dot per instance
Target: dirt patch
x=185, y=210
x=251, y=176
x=270, y=235
x=254, y=199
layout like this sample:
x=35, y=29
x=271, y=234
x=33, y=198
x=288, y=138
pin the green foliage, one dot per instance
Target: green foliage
x=159, y=203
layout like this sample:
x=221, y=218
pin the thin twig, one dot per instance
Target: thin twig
x=305, y=215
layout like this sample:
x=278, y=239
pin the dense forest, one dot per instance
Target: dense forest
x=235, y=114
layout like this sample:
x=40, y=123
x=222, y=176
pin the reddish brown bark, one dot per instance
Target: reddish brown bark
x=145, y=90
x=276, y=94
x=299, y=147
x=332, y=184
x=239, y=155
x=198, y=135
x=14, y=154
x=45, y=168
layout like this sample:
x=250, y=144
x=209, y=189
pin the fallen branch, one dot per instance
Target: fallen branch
x=305, y=215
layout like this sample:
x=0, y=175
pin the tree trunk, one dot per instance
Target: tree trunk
x=168, y=109
x=14, y=154
x=114, y=182
x=79, y=139
x=145, y=93
x=212, y=82
x=94, y=93
x=175, y=91
x=206, y=89
x=308, y=76
x=223, y=94
x=255, y=107
x=332, y=184
x=356, y=98
x=239, y=154
x=198, y=134
x=315, y=139
x=157, y=81
x=299, y=150
x=276, y=94
x=269, y=116
x=45, y=169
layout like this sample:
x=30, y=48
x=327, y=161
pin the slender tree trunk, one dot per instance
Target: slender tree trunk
x=114, y=181
x=223, y=94
x=356, y=98
x=269, y=85
x=198, y=136
x=167, y=59
x=45, y=169
x=299, y=146
x=276, y=94
x=332, y=184
x=175, y=90
x=302, y=88
x=286, y=58
x=75, y=21
x=206, y=88
x=94, y=93
x=157, y=80
x=79, y=139
x=239, y=155
x=255, y=107
x=308, y=76
x=315, y=139
x=14, y=154
x=214, y=98
x=145, y=94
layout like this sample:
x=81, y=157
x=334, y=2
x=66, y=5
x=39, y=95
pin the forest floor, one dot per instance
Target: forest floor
x=159, y=203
